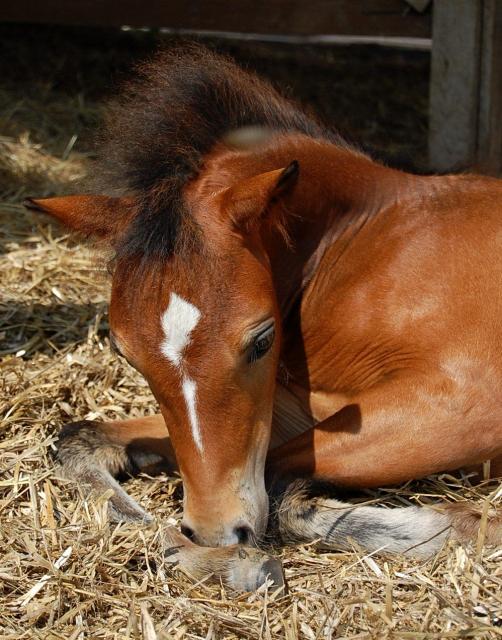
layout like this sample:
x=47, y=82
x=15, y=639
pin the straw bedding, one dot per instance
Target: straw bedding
x=67, y=573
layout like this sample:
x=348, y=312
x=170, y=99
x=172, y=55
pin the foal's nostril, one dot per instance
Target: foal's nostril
x=189, y=533
x=244, y=535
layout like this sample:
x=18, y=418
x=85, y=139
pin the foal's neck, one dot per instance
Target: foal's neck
x=338, y=192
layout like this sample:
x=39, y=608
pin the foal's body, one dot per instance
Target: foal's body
x=403, y=373
x=385, y=290
x=396, y=372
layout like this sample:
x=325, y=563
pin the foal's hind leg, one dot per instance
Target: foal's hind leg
x=304, y=514
x=95, y=453
x=387, y=435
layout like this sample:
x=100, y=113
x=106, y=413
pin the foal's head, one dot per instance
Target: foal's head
x=193, y=304
x=202, y=325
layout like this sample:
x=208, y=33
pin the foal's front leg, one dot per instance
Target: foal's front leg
x=239, y=567
x=94, y=453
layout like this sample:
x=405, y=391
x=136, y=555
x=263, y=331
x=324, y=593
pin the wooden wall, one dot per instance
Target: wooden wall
x=295, y=17
x=466, y=69
x=465, y=123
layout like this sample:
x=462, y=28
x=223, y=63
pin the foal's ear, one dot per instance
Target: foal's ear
x=100, y=217
x=247, y=200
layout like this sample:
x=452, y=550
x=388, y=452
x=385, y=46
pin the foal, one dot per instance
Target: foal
x=297, y=309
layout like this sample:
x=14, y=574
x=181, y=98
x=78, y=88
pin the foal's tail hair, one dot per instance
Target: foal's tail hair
x=413, y=531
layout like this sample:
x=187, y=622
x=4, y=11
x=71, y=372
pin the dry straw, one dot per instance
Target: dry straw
x=66, y=573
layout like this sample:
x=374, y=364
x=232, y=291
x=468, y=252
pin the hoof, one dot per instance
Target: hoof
x=240, y=568
x=252, y=568
x=272, y=570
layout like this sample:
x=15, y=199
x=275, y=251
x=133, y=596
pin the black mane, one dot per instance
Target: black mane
x=163, y=124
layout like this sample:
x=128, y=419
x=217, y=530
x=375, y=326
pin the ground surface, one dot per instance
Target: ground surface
x=64, y=571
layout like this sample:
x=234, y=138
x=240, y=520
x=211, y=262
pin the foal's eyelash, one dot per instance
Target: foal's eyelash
x=266, y=338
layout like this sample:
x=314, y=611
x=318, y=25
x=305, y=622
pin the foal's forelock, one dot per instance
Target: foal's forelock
x=178, y=321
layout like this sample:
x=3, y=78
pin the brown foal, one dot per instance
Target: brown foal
x=297, y=309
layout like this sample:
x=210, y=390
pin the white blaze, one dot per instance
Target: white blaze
x=178, y=321
x=189, y=388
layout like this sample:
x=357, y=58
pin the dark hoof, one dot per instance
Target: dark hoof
x=272, y=570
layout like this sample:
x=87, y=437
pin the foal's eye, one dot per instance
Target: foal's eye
x=262, y=343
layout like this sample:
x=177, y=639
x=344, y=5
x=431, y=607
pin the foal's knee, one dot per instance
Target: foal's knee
x=88, y=455
x=83, y=443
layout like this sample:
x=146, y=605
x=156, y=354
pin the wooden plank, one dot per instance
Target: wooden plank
x=454, y=89
x=294, y=17
x=489, y=152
